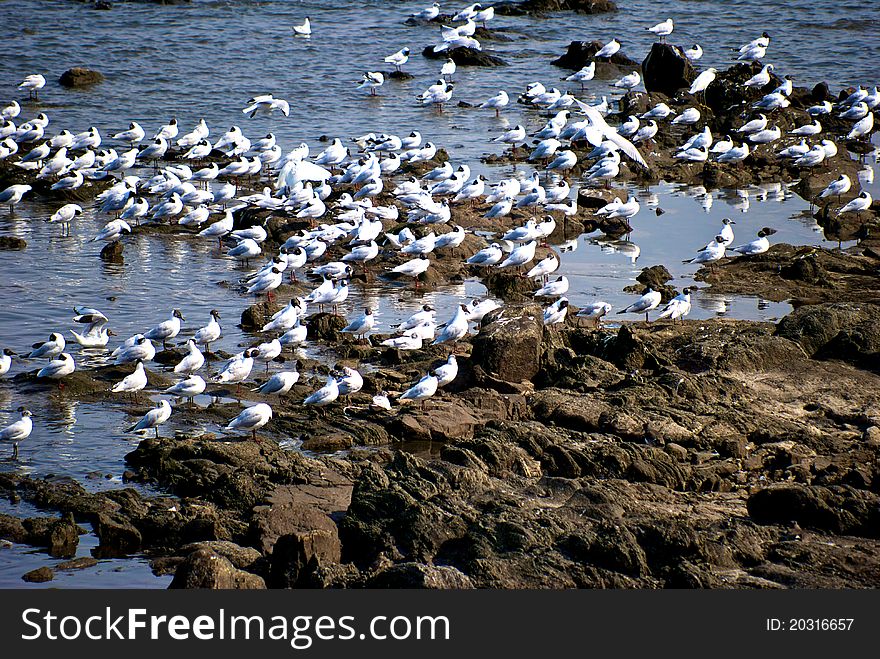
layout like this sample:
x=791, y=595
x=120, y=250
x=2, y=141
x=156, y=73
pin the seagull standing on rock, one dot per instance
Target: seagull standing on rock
x=649, y=301
x=662, y=30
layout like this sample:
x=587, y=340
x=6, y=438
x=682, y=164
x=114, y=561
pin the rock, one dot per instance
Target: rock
x=510, y=347
x=12, y=243
x=40, y=575
x=527, y=7
x=63, y=538
x=580, y=54
x=509, y=286
x=842, y=509
x=12, y=528
x=398, y=75
x=80, y=76
x=846, y=331
x=80, y=563
x=102, y=5
x=257, y=315
x=441, y=421
x=207, y=569
x=243, y=558
x=414, y=575
x=325, y=327
x=118, y=536
x=112, y=252
x=463, y=56
x=656, y=277
x=666, y=69
x=297, y=537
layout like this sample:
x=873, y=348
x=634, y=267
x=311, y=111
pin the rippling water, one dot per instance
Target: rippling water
x=207, y=58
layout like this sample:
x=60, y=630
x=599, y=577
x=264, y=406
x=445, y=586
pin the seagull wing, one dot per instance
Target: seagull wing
x=610, y=134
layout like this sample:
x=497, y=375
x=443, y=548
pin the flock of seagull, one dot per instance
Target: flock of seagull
x=347, y=232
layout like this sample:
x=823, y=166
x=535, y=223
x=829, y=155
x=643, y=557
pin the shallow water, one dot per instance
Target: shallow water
x=206, y=59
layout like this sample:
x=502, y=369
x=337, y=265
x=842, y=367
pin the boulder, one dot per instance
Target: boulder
x=12, y=243
x=464, y=56
x=80, y=76
x=532, y=7
x=581, y=53
x=510, y=347
x=666, y=69
x=257, y=315
x=846, y=331
x=839, y=509
x=207, y=569
x=112, y=252
x=40, y=575
x=414, y=575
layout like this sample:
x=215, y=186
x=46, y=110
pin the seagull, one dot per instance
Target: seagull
x=861, y=128
x=11, y=111
x=362, y=325
x=662, y=30
x=520, y=255
x=413, y=268
x=326, y=394
x=192, y=362
x=33, y=83
x=702, y=81
x=765, y=136
x=694, y=53
x=266, y=104
x=303, y=30
x=6, y=360
x=497, y=102
x=133, y=382
x=556, y=312
x=154, y=418
x=812, y=157
x=65, y=215
x=133, y=135
x=137, y=347
x=373, y=80
x=279, y=384
x=96, y=335
x=399, y=58
x=678, y=307
x=167, y=329
x=758, y=246
x=251, y=419
x=516, y=136
x=688, y=117
x=629, y=81
x=455, y=329
x=585, y=74
x=837, y=187
x=58, y=368
x=237, y=369
x=650, y=300
x=13, y=194
x=711, y=252
x=659, y=111
x=422, y=390
x=545, y=266
x=427, y=14
x=448, y=69
x=18, y=431
x=807, y=129
x=554, y=288
x=859, y=204
x=735, y=154
x=608, y=50
x=191, y=387
x=760, y=79
x=48, y=349
x=595, y=311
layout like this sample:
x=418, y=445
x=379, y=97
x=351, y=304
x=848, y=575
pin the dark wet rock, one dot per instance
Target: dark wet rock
x=805, y=274
x=537, y=7
x=254, y=317
x=80, y=76
x=840, y=510
x=509, y=286
x=12, y=528
x=464, y=56
x=581, y=53
x=102, y=5
x=415, y=575
x=207, y=569
x=118, y=536
x=666, y=69
x=845, y=331
x=112, y=252
x=40, y=575
x=509, y=346
x=399, y=75
x=242, y=558
x=325, y=326
x=12, y=243
x=81, y=563
x=63, y=537
x=442, y=421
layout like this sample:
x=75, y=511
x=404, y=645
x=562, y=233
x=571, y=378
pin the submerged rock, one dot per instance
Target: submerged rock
x=112, y=252
x=465, y=56
x=531, y=7
x=80, y=76
x=40, y=575
x=12, y=243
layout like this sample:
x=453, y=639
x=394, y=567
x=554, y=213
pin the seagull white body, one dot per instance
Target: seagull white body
x=192, y=362
x=279, y=384
x=594, y=310
x=304, y=29
x=455, y=329
x=447, y=372
x=677, y=307
x=554, y=288
x=18, y=431
x=663, y=29
x=703, y=81
x=133, y=382
x=837, y=187
x=423, y=389
x=712, y=252
x=237, y=369
x=556, y=312
x=325, y=395
x=859, y=204
x=191, y=387
x=520, y=255
x=758, y=246
x=48, y=349
x=608, y=50
x=649, y=301
x=58, y=368
x=167, y=329
x=154, y=418
x=140, y=348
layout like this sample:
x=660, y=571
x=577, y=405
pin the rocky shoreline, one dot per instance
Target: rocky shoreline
x=698, y=454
